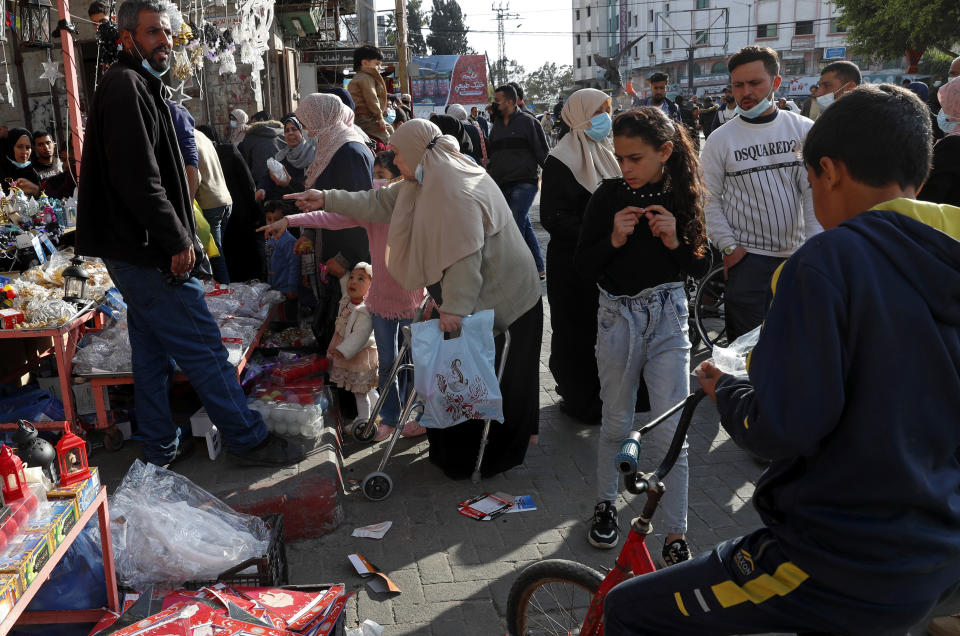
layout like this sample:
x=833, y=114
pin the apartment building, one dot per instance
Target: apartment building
x=806, y=33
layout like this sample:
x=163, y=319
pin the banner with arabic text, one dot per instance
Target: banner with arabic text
x=449, y=79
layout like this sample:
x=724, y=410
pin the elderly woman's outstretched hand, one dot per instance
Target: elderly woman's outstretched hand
x=307, y=201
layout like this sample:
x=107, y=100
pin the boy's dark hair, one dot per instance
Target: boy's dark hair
x=261, y=116
x=385, y=159
x=365, y=52
x=652, y=125
x=276, y=205
x=659, y=77
x=95, y=8
x=509, y=92
x=881, y=133
x=771, y=63
x=518, y=89
x=846, y=71
x=41, y=133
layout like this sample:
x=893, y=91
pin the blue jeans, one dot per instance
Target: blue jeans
x=647, y=334
x=520, y=197
x=218, y=219
x=386, y=331
x=170, y=323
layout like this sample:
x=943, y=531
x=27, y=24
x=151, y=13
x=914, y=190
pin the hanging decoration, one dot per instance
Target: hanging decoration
x=51, y=71
x=181, y=68
x=179, y=93
x=108, y=43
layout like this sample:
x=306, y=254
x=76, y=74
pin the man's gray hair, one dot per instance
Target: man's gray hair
x=128, y=15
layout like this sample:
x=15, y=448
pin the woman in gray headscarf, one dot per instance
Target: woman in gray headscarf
x=295, y=158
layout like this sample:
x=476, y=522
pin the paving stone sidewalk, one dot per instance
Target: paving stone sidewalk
x=455, y=572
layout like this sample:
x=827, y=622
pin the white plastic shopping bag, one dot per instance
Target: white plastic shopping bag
x=455, y=378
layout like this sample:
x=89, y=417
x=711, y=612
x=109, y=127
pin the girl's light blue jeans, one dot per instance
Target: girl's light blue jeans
x=647, y=334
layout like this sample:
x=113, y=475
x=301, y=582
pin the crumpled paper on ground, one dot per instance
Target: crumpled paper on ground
x=375, y=531
x=367, y=628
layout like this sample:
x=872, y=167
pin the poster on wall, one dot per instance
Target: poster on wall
x=449, y=79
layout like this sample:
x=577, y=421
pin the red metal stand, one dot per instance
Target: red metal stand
x=18, y=616
x=65, y=338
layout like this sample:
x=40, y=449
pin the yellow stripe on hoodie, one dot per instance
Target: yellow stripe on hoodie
x=945, y=218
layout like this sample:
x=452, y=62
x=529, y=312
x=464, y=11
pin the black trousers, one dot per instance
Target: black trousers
x=455, y=449
x=573, y=321
x=748, y=293
x=746, y=586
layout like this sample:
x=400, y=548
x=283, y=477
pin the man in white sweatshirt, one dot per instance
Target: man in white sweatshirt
x=761, y=207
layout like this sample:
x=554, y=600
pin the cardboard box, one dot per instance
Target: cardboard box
x=25, y=557
x=10, y=318
x=9, y=593
x=82, y=394
x=82, y=492
x=55, y=519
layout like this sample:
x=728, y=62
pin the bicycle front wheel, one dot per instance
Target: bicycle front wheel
x=708, y=308
x=551, y=597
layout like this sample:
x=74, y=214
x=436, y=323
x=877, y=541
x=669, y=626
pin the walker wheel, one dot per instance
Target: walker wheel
x=377, y=486
x=113, y=439
x=361, y=435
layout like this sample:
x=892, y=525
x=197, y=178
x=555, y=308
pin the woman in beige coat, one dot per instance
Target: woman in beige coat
x=452, y=232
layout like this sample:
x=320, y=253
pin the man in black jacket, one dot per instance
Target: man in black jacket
x=134, y=212
x=517, y=151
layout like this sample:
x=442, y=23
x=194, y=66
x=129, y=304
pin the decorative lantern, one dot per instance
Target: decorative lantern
x=35, y=23
x=72, y=459
x=34, y=450
x=15, y=485
x=75, y=281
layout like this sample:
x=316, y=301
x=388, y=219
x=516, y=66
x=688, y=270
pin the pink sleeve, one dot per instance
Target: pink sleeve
x=325, y=220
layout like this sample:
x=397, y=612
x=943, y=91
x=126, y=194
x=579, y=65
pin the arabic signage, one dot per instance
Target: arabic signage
x=450, y=79
x=344, y=56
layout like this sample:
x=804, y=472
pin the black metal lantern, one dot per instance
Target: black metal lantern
x=75, y=281
x=35, y=451
x=35, y=23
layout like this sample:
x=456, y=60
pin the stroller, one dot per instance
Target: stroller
x=377, y=485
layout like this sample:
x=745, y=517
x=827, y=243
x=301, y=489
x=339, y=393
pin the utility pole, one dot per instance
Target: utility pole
x=366, y=22
x=503, y=14
x=402, y=51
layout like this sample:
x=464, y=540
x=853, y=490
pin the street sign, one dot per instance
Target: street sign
x=344, y=56
x=835, y=53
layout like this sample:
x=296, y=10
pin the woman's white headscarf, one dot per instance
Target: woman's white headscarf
x=590, y=161
x=237, y=134
x=331, y=123
x=446, y=216
x=457, y=111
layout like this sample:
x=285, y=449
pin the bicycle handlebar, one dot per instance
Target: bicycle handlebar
x=630, y=448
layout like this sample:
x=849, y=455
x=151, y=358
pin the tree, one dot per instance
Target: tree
x=547, y=82
x=506, y=71
x=888, y=29
x=448, y=33
x=415, y=22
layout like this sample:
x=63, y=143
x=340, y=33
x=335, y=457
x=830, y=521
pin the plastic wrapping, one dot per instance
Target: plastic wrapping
x=166, y=529
x=106, y=352
x=733, y=359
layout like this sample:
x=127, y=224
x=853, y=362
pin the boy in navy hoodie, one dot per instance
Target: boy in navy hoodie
x=854, y=394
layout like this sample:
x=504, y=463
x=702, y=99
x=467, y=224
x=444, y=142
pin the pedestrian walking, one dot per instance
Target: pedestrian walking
x=943, y=184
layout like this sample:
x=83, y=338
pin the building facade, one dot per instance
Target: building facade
x=807, y=34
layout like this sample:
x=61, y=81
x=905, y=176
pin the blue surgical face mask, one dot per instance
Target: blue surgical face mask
x=600, y=126
x=20, y=164
x=146, y=65
x=391, y=116
x=946, y=126
x=234, y=123
x=761, y=107
x=418, y=173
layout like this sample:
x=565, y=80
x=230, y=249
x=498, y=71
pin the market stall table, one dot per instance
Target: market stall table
x=99, y=381
x=18, y=615
x=65, y=338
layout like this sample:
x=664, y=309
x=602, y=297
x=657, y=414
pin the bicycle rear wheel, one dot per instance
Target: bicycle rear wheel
x=551, y=597
x=708, y=308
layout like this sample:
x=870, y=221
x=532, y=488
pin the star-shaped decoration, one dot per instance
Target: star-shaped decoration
x=179, y=94
x=51, y=72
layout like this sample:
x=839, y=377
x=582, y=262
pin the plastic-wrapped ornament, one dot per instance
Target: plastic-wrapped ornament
x=181, y=68
x=228, y=64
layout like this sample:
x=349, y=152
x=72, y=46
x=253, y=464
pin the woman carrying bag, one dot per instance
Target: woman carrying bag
x=451, y=231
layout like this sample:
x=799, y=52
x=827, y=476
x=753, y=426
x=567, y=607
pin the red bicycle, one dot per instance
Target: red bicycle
x=557, y=596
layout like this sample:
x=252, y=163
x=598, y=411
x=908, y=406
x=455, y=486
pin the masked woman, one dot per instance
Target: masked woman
x=295, y=158
x=15, y=167
x=451, y=231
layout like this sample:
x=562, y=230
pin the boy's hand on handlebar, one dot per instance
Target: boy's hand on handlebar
x=708, y=374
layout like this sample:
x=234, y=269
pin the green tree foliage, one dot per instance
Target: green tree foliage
x=415, y=23
x=887, y=29
x=506, y=71
x=547, y=82
x=448, y=33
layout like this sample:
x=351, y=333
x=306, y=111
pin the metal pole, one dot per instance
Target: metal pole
x=70, y=80
x=402, y=51
x=690, y=52
x=366, y=22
